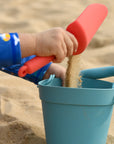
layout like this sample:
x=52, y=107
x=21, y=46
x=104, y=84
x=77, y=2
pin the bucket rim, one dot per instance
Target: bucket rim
x=75, y=96
x=43, y=84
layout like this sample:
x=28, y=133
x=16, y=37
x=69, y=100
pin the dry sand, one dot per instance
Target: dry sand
x=21, y=119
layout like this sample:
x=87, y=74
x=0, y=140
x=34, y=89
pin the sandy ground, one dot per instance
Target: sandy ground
x=21, y=120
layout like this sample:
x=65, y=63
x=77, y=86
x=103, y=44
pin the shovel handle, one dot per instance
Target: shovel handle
x=83, y=28
x=33, y=65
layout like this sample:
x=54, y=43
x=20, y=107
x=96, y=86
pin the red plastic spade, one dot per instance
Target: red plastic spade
x=83, y=28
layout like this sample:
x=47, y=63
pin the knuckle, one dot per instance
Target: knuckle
x=59, y=29
x=70, y=45
x=59, y=33
x=70, y=52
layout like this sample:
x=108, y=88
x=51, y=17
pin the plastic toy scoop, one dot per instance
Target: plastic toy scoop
x=98, y=73
x=83, y=28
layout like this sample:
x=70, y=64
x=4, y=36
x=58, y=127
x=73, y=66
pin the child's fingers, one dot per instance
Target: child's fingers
x=69, y=45
x=64, y=48
x=61, y=52
x=59, y=57
x=74, y=41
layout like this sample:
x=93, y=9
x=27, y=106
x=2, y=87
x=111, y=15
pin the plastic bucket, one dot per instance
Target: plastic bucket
x=76, y=115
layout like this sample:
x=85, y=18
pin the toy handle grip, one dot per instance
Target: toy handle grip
x=83, y=29
x=34, y=64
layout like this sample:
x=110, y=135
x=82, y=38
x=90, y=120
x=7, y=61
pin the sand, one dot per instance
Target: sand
x=73, y=72
x=21, y=120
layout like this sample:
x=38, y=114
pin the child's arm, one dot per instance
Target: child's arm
x=57, y=42
x=16, y=49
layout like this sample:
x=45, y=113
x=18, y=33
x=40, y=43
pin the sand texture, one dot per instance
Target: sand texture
x=21, y=120
x=72, y=72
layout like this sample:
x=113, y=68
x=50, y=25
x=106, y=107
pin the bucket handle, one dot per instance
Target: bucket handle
x=97, y=73
x=48, y=81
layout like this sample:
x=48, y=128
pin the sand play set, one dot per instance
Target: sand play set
x=79, y=115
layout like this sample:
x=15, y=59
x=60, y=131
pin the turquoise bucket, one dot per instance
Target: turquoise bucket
x=76, y=115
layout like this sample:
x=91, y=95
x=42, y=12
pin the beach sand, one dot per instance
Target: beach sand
x=21, y=120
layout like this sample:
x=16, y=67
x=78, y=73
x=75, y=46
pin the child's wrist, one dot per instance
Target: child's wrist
x=28, y=44
x=34, y=49
x=37, y=44
x=32, y=44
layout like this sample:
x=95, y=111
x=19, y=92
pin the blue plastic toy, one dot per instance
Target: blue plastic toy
x=78, y=115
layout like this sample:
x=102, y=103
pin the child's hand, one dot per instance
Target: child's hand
x=54, y=42
x=56, y=69
x=57, y=42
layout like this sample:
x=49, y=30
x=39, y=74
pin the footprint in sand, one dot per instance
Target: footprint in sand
x=16, y=132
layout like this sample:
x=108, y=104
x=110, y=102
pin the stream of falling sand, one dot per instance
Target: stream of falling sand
x=72, y=75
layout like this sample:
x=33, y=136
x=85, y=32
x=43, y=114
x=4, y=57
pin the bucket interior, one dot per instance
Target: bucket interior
x=86, y=83
x=92, y=92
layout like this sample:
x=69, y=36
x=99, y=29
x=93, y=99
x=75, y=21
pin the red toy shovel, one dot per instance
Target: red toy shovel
x=83, y=28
